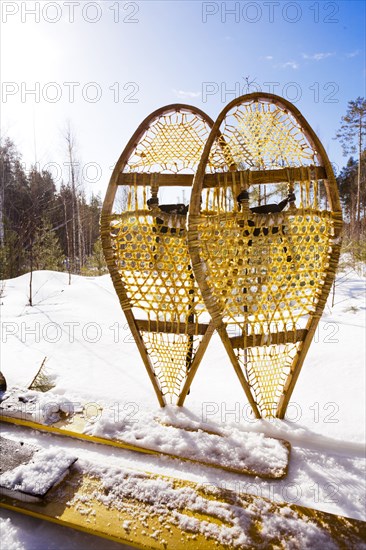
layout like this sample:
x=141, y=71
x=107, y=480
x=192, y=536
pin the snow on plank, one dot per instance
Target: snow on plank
x=172, y=435
x=157, y=512
x=28, y=473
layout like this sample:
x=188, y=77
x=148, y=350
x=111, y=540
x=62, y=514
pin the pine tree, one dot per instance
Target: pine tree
x=12, y=255
x=351, y=135
x=347, y=185
x=98, y=257
x=46, y=250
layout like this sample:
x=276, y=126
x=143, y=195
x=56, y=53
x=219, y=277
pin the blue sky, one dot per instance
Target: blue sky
x=126, y=59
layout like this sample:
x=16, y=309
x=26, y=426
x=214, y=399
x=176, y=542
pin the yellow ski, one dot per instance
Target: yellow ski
x=246, y=453
x=157, y=512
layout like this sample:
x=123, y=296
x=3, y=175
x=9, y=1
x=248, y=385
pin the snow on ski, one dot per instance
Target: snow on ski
x=173, y=436
x=27, y=472
x=154, y=511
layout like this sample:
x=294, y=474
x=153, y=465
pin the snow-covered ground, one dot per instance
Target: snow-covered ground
x=91, y=357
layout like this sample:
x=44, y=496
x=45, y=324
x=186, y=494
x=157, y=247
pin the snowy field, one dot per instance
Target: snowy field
x=91, y=357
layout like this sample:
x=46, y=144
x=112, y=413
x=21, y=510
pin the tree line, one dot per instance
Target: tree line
x=352, y=178
x=42, y=227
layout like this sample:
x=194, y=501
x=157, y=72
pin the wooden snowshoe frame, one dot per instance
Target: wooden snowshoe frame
x=264, y=278
x=146, y=248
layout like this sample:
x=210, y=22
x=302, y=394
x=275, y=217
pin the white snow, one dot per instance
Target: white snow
x=36, y=477
x=8, y=533
x=92, y=360
x=197, y=511
x=170, y=432
x=44, y=408
x=27, y=533
x=232, y=448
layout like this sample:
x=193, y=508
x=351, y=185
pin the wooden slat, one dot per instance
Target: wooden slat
x=282, y=175
x=163, y=180
x=213, y=180
x=257, y=340
x=196, y=363
x=192, y=329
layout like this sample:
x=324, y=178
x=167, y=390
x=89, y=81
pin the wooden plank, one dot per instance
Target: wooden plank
x=192, y=329
x=89, y=504
x=273, y=338
x=155, y=512
x=221, y=452
x=255, y=177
